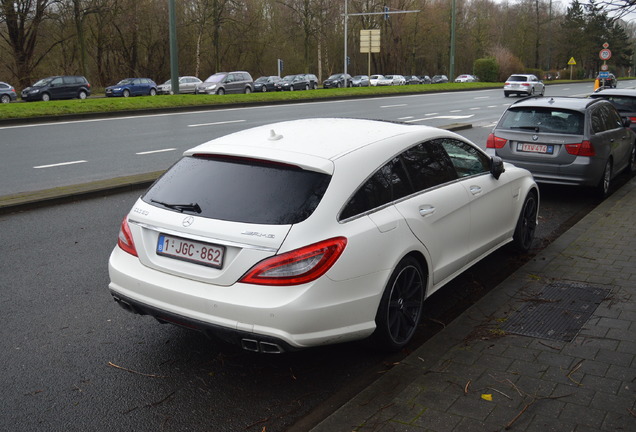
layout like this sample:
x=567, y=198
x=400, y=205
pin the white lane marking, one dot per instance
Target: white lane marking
x=482, y=97
x=216, y=123
x=441, y=117
x=453, y=111
x=475, y=108
x=392, y=106
x=405, y=118
x=60, y=164
x=156, y=151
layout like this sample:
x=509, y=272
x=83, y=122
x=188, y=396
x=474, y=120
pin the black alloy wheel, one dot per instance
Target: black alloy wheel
x=401, y=306
x=527, y=224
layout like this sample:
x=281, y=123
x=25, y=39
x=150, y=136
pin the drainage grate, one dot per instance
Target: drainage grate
x=558, y=312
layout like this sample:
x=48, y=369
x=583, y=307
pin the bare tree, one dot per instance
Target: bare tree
x=23, y=19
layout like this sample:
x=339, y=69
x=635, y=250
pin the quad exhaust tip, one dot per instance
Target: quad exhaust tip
x=261, y=347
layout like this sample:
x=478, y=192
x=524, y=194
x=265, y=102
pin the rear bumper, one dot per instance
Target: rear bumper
x=248, y=341
x=583, y=171
x=320, y=313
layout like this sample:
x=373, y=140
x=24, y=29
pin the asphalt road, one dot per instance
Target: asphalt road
x=74, y=361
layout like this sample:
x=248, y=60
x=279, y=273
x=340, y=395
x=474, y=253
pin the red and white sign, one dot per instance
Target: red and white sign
x=605, y=54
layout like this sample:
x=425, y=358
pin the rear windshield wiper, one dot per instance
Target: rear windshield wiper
x=194, y=207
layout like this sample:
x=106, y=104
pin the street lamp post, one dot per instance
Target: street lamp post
x=174, y=54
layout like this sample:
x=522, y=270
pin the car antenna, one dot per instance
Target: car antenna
x=273, y=136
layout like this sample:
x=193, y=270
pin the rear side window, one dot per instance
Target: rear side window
x=605, y=118
x=537, y=119
x=419, y=168
x=240, y=190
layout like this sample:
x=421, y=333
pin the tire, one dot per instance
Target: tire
x=5, y=99
x=632, y=160
x=543, y=91
x=315, y=86
x=307, y=87
x=153, y=92
x=264, y=89
x=401, y=306
x=526, y=224
x=506, y=94
x=126, y=93
x=220, y=91
x=46, y=97
x=248, y=90
x=531, y=92
x=82, y=95
x=291, y=88
x=604, y=185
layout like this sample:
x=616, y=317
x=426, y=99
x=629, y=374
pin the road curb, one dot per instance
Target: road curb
x=25, y=200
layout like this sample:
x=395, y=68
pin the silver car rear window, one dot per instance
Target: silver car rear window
x=551, y=120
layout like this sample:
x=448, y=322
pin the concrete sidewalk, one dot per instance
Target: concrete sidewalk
x=552, y=348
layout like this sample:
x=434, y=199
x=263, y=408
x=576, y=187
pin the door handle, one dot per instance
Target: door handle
x=427, y=210
x=475, y=190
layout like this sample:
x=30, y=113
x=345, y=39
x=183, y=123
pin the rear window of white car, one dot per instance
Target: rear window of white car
x=537, y=119
x=239, y=190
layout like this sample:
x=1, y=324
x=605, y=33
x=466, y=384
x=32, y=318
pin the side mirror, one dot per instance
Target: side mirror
x=627, y=121
x=496, y=167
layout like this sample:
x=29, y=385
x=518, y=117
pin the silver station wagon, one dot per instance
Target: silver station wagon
x=565, y=140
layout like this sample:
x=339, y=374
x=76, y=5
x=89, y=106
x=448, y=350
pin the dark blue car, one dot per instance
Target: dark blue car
x=133, y=87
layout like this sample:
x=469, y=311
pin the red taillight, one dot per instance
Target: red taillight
x=298, y=266
x=525, y=84
x=125, y=240
x=633, y=119
x=495, y=142
x=584, y=148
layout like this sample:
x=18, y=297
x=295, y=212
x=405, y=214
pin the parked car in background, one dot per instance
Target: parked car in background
x=7, y=93
x=132, y=87
x=266, y=83
x=412, y=79
x=439, y=79
x=58, y=87
x=609, y=82
x=379, y=80
x=425, y=79
x=221, y=83
x=565, y=140
x=313, y=81
x=324, y=231
x=523, y=85
x=624, y=100
x=187, y=84
x=466, y=78
x=360, y=81
x=396, y=79
x=337, y=80
x=293, y=82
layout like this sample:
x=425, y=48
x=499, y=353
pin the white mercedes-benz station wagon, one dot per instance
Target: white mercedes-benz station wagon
x=317, y=231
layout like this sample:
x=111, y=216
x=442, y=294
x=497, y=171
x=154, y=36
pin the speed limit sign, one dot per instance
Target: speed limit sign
x=605, y=54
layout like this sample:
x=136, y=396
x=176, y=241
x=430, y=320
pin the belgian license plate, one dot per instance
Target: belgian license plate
x=190, y=250
x=535, y=148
